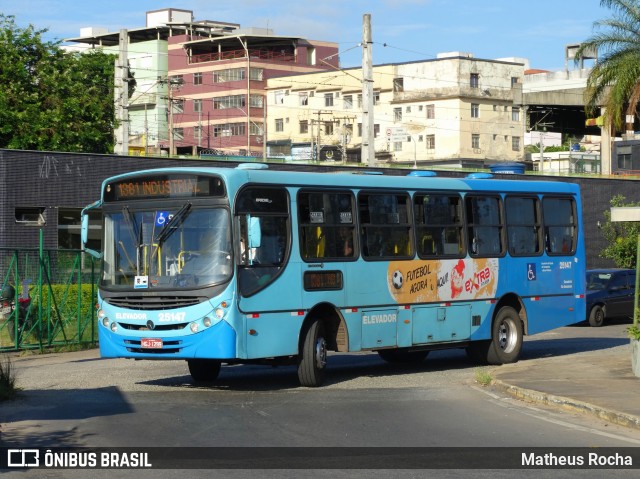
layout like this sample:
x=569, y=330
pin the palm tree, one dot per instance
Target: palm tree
x=614, y=81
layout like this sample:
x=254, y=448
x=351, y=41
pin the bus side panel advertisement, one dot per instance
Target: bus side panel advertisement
x=443, y=280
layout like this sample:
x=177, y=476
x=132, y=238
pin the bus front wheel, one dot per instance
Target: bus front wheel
x=313, y=356
x=204, y=370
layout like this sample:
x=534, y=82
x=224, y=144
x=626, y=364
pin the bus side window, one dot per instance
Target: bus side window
x=559, y=225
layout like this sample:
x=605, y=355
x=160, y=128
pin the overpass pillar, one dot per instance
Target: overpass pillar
x=605, y=146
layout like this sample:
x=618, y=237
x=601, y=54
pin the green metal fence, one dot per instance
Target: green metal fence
x=53, y=293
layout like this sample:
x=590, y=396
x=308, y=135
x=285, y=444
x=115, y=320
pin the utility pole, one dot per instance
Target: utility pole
x=170, y=119
x=368, y=151
x=121, y=89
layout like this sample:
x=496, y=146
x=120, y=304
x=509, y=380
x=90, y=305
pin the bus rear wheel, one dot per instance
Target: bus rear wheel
x=313, y=356
x=204, y=370
x=505, y=344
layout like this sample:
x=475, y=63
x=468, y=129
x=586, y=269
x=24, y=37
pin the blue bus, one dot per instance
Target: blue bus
x=251, y=265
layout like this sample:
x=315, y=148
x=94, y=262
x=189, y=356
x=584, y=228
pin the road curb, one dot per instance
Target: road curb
x=529, y=395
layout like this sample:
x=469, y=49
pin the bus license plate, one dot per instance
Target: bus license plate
x=151, y=343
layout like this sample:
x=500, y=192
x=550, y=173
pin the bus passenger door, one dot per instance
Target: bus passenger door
x=440, y=324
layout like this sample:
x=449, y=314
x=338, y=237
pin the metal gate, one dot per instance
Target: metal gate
x=47, y=298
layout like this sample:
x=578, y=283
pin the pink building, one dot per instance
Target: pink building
x=217, y=86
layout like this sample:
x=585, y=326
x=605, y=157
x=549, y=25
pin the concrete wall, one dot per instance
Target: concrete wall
x=65, y=180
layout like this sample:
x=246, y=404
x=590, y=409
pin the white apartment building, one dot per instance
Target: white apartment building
x=452, y=110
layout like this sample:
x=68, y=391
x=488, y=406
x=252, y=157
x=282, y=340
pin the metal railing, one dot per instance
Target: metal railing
x=48, y=298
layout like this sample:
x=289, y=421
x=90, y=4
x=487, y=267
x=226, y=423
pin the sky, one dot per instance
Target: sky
x=402, y=30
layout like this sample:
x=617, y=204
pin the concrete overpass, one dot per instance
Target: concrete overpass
x=555, y=101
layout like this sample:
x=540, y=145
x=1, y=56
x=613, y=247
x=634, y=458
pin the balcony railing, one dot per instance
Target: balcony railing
x=253, y=54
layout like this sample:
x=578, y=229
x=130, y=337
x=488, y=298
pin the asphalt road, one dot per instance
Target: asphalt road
x=78, y=399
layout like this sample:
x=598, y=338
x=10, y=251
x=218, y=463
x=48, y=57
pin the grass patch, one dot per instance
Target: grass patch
x=8, y=389
x=483, y=377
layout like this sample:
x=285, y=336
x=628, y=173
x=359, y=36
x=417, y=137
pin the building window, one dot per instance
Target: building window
x=255, y=74
x=624, y=161
x=408, y=110
x=234, y=74
x=256, y=129
x=397, y=146
x=376, y=130
x=376, y=97
x=328, y=99
x=328, y=128
x=177, y=106
x=431, y=142
x=178, y=133
x=514, y=81
x=176, y=80
x=197, y=106
x=69, y=226
x=397, y=114
x=398, y=85
x=475, y=110
x=229, y=129
x=197, y=133
x=31, y=216
x=279, y=124
x=515, y=143
x=197, y=78
x=348, y=102
x=304, y=126
x=475, y=141
x=515, y=114
x=474, y=80
x=303, y=98
x=256, y=101
x=233, y=101
x=431, y=112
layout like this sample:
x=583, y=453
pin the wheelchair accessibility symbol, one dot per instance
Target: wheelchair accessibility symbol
x=162, y=217
x=531, y=271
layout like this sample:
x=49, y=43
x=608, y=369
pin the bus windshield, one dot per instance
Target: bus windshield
x=183, y=247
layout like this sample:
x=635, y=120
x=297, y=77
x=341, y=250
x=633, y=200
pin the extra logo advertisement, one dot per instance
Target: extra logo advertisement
x=443, y=280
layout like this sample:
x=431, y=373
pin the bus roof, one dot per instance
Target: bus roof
x=360, y=179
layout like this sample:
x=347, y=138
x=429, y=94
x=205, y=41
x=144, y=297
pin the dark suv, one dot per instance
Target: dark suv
x=610, y=294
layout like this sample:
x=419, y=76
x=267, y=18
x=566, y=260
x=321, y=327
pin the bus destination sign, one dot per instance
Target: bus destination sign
x=164, y=186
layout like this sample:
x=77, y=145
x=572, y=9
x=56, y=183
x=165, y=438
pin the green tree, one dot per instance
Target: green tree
x=50, y=99
x=614, y=81
x=622, y=237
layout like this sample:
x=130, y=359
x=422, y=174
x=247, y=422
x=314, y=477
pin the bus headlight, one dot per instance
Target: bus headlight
x=114, y=326
x=101, y=314
x=207, y=322
x=219, y=313
x=105, y=322
x=193, y=327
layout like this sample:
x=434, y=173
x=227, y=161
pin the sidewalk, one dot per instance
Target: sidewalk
x=598, y=382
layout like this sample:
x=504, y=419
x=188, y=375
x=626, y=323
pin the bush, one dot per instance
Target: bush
x=8, y=389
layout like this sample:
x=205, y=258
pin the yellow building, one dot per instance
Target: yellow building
x=454, y=109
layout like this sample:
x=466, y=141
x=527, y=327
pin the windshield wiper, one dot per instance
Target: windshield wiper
x=173, y=223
